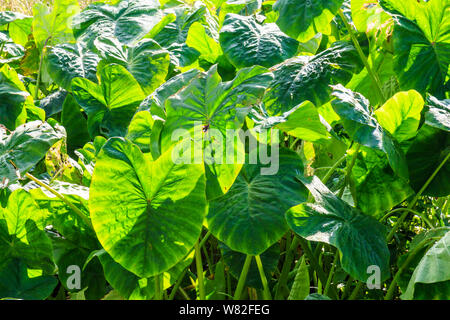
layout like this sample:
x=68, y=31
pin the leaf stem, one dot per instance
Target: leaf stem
x=315, y=265
x=198, y=262
x=242, y=277
x=413, y=202
x=60, y=196
x=266, y=292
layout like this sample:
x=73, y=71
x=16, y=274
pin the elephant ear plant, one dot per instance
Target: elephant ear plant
x=225, y=150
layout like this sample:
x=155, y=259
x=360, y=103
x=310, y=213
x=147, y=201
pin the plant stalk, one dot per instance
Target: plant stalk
x=242, y=277
x=266, y=292
x=198, y=262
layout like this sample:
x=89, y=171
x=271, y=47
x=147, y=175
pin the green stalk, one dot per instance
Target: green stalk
x=372, y=74
x=242, y=277
x=198, y=262
x=266, y=292
x=60, y=196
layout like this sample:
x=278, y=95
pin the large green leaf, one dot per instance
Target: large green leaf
x=421, y=38
x=147, y=215
x=438, y=113
x=22, y=233
x=359, y=238
x=16, y=284
x=59, y=215
x=146, y=61
x=367, y=15
x=130, y=286
x=302, y=19
x=400, y=115
x=51, y=26
x=198, y=39
x=25, y=146
x=68, y=61
x=353, y=108
x=250, y=217
x=431, y=278
x=129, y=21
x=309, y=77
x=247, y=43
x=174, y=35
x=208, y=107
x=111, y=104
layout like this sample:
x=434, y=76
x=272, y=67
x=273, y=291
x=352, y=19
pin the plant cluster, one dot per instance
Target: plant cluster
x=350, y=98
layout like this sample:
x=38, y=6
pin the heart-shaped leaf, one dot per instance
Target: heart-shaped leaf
x=247, y=43
x=146, y=61
x=111, y=104
x=421, y=38
x=147, y=215
x=250, y=217
x=353, y=108
x=68, y=61
x=129, y=21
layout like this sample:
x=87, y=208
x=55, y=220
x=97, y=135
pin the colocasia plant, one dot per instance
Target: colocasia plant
x=288, y=149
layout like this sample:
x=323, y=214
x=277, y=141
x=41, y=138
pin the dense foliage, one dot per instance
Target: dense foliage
x=97, y=198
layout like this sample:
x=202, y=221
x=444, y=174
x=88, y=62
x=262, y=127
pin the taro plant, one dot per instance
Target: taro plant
x=290, y=149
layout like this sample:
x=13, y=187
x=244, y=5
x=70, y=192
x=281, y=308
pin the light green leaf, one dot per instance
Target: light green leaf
x=421, y=38
x=359, y=238
x=309, y=77
x=302, y=19
x=22, y=233
x=400, y=115
x=129, y=21
x=302, y=121
x=14, y=97
x=16, y=284
x=111, y=104
x=51, y=26
x=250, y=217
x=146, y=61
x=68, y=61
x=205, y=109
x=164, y=205
x=198, y=39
